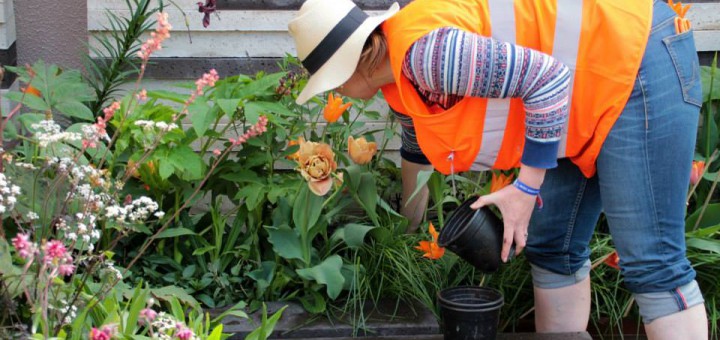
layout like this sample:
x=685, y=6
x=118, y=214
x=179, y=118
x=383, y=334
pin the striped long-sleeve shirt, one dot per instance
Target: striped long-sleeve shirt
x=448, y=64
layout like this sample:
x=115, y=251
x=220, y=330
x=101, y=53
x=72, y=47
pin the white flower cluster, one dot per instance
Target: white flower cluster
x=110, y=270
x=91, y=132
x=166, y=325
x=138, y=210
x=27, y=166
x=70, y=310
x=50, y=132
x=149, y=125
x=8, y=194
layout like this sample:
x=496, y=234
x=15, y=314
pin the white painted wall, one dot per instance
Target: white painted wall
x=237, y=33
x=7, y=24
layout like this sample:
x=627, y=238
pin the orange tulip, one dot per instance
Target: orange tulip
x=295, y=156
x=679, y=8
x=31, y=90
x=500, y=181
x=334, y=108
x=698, y=167
x=317, y=164
x=613, y=260
x=431, y=249
x=361, y=151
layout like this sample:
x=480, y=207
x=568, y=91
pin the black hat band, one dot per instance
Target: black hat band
x=334, y=39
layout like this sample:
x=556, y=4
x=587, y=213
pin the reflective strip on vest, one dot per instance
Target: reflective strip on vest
x=568, y=26
x=502, y=21
x=569, y=17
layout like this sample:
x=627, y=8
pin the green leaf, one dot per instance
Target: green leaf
x=263, y=275
x=313, y=302
x=203, y=250
x=139, y=300
x=168, y=95
x=307, y=209
x=166, y=169
x=187, y=161
x=422, y=178
x=28, y=119
x=368, y=193
x=260, y=86
x=707, y=76
x=327, y=273
x=711, y=217
x=267, y=327
x=243, y=176
x=252, y=194
x=704, y=244
x=29, y=100
x=201, y=116
x=168, y=292
x=75, y=109
x=216, y=333
x=229, y=106
x=175, y=232
x=285, y=241
x=353, y=234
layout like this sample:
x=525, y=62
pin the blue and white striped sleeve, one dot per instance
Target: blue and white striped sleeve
x=448, y=64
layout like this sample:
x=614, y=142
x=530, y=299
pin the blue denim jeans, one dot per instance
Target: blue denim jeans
x=642, y=179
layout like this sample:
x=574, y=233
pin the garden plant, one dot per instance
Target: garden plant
x=149, y=209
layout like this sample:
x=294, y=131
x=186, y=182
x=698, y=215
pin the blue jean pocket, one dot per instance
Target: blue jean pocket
x=684, y=56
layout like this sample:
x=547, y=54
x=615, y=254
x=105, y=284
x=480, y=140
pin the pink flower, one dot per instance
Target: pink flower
x=148, y=315
x=104, y=334
x=698, y=167
x=208, y=79
x=110, y=110
x=156, y=38
x=55, y=249
x=217, y=152
x=66, y=269
x=23, y=246
x=142, y=95
x=183, y=333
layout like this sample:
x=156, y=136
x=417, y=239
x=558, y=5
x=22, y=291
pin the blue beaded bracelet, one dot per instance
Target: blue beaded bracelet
x=526, y=188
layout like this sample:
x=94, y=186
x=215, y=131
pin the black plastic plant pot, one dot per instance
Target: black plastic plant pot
x=470, y=313
x=475, y=235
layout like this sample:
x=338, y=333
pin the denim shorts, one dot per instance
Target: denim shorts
x=643, y=173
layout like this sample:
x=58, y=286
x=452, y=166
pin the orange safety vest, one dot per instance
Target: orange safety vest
x=601, y=41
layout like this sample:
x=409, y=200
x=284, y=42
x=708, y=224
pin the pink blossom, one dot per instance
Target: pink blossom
x=208, y=79
x=66, y=269
x=183, y=333
x=148, y=315
x=217, y=152
x=142, y=95
x=154, y=43
x=23, y=246
x=110, y=110
x=55, y=249
x=104, y=334
x=253, y=131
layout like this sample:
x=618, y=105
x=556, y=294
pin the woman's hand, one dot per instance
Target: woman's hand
x=516, y=208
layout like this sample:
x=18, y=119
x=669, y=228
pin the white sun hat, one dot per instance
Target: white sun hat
x=329, y=37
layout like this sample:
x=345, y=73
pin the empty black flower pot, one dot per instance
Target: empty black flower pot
x=470, y=313
x=475, y=235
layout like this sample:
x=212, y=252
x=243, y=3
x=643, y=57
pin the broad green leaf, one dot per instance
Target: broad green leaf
x=307, y=209
x=353, y=234
x=327, y=273
x=75, y=109
x=168, y=95
x=201, y=115
x=229, y=106
x=243, y=176
x=252, y=194
x=313, y=302
x=29, y=119
x=166, y=169
x=285, y=241
x=175, y=232
x=260, y=86
x=263, y=275
x=31, y=101
x=706, y=74
x=187, y=161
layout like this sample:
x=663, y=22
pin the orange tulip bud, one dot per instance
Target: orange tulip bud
x=334, y=108
x=500, y=181
x=698, y=167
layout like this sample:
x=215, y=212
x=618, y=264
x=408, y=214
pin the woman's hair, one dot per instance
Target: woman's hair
x=374, y=51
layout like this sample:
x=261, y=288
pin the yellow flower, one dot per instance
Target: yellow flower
x=317, y=164
x=361, y=151
x=431, y=249
x=334, y=108
x=500, y=181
